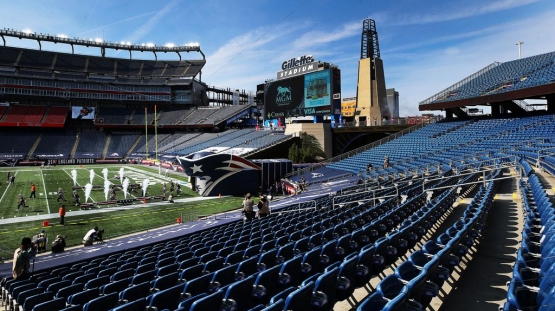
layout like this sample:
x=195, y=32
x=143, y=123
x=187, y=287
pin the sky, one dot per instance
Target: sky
x=426, y=46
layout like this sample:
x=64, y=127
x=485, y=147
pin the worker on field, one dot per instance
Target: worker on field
x=33, y=189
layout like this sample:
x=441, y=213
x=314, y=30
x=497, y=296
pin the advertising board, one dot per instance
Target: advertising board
x=304, y=95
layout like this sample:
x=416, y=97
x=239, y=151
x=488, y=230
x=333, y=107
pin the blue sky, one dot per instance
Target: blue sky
x=425, y=45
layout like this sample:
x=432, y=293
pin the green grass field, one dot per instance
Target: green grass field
x=119, y=222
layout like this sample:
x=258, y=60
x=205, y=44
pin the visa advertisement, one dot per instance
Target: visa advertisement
x=307, y=95
x=317, y=89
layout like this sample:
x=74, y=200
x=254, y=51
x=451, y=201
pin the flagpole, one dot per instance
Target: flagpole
x=155, y=133
x=146, y=133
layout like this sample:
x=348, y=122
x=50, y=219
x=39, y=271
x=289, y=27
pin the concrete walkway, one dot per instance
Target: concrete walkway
x=96, y=211
x=481, y=283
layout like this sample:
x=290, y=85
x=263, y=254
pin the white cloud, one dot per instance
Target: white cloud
x=147, y=27
x=234, y=62
x=316, y=37
x=249, y=55
x=461, y=12
x=121, y=21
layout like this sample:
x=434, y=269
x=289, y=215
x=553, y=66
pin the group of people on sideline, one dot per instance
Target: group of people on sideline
x=263, y=207
x=25, y=254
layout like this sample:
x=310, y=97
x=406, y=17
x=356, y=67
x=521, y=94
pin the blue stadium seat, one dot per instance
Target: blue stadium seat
x=207, y=257
x=46, y=282
x=171, y=268
x=102, y=303
x=143, y=277
x=325, y=284
x=210, y=302
x=134, y=292
x=126, y=266
x=267, y=260
x=192, y=272
x=114, y=287
x=136, y=305
x=291, y=272
x=311, y=262
x=72, y=275
x=82, y=297
x=235, y=295
x=65, y=292
x=145, y=268
x=346, y=281
x=165, y=281
x=197, y=286
x=97, y=282
x=187, y=263
x=166, y=299
x=300, y=299
x=214, y=264
x=276, y=306
x=266, y=285
x=84, y=278
x=107, y=271
x=186, y=303
x=247, y=267
x=56, y=304
x=122, y=275
x=32, y=301
x=54, y=287
x=224, y=277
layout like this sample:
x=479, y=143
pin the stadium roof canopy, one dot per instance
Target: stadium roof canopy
x=103, y=45
x=47, y=63
x=499, y=83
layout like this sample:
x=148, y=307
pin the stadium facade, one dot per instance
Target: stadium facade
x=68, y=107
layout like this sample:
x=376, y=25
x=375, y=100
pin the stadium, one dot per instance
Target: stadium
x=455, y=201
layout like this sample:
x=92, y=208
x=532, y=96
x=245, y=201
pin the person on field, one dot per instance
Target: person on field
x=61, y=195
x=76, y=200
x=33, y=190
x=62, y=213
x=20, y=202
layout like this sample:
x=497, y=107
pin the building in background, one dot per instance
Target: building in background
x=392, y=109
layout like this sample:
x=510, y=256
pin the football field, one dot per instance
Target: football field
x=48, y=180
x=116, y=219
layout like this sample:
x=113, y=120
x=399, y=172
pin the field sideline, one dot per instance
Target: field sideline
x=117, y=222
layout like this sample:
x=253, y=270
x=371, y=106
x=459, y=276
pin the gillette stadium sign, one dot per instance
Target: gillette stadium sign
x=297, y=66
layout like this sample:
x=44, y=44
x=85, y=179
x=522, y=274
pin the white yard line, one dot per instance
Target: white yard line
x=9, y=183
x=45, y=192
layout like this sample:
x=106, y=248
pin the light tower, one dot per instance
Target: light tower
x=519, y=43
x=371, y=92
